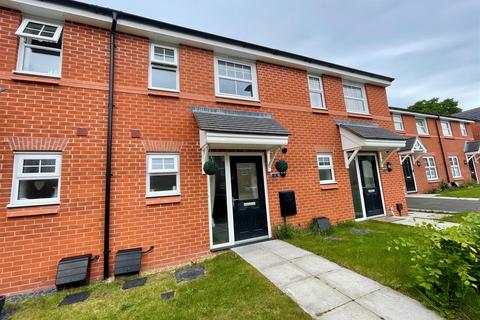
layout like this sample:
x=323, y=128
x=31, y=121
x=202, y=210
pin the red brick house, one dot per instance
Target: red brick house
x=439, y=148
x=108, y=119
x=474, y=115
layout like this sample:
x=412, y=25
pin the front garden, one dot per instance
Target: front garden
x=467, y=190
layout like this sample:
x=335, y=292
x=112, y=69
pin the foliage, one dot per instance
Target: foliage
x=285, y=231
x=443, y=186
x=210, y=167
x=446, y=107
x=466, y=190
x=281, y=166
x=446, y=261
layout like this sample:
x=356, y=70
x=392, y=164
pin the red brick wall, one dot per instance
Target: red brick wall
x=31, y=246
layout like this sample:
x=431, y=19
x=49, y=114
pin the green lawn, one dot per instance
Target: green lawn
x=457, y=217
x=368, y=254
x=232, y=289
x=470, y=191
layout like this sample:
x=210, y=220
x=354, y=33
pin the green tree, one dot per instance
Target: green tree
x=446, y=107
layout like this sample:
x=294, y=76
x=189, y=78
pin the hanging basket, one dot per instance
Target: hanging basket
x=282, y=167
x=209, y=167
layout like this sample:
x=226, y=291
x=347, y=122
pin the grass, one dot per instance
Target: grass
x=367, y=254
x=457, y=217
x=231, y=289
x=468, y=191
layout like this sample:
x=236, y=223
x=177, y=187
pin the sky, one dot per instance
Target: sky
x=430, y=47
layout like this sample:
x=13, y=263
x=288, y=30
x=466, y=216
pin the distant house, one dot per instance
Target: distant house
x=472, y=114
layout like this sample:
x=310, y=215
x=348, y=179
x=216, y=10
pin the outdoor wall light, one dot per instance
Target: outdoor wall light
x=284, y=150
x=389, y=167
x=465, y=162
x=419, y=164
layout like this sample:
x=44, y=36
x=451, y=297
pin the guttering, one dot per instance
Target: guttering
x=437, y=123
x=427, y=115
x=108, y=174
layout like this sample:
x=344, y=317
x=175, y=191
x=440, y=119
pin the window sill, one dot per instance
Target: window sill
x=329, y=186
x=433, y=181
x=359, y=115
x=29, y=77
x=319, y=111
x=163, y=93
x=448, y=137
x=163, y=200
x=458, y=178
x=39, y=210
x=238, y=101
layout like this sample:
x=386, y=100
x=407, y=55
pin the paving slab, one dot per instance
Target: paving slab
x=392, y=305
x=349, y=311
x=262, y=259
x=307, y=292
x=291, y=252
x=315, y=265
x=273, y=244
x=284, y=274
x=350, y=283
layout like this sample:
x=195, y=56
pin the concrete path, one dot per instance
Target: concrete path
x=418, y=218
x=429, y=203
x=327, y=291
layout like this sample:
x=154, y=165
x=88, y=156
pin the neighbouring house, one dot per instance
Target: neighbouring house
x=474, y=115
x=108, y=119
x=439, y=148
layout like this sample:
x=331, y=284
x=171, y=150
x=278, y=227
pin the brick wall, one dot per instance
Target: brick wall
x=31, y=246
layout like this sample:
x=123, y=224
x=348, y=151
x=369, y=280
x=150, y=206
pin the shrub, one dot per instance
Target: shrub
x=443, y=186
x=446, y=261
x=285, y=231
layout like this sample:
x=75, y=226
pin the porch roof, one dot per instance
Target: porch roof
x=472, y=147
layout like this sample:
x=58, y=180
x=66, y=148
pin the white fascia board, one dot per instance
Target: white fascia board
x=422, y=115
x=387, y=144
x=238, y=141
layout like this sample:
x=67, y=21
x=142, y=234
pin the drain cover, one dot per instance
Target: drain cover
x=134, y=283
x=167, y=295
x=74, y=298
x=189, y=274
x=359, y=231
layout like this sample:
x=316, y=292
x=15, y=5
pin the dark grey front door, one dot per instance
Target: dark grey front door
x=408, y=174
x=372, y=196
x=248, y=195
x=471, y=166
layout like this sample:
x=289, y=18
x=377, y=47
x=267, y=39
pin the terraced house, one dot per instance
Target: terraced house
x=108, y=120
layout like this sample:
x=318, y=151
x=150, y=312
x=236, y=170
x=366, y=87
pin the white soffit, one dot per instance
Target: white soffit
x=223, y=140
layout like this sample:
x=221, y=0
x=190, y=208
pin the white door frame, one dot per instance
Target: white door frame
x=413, y=173
x=228, y=184
x=474, y=168
x=364, y=211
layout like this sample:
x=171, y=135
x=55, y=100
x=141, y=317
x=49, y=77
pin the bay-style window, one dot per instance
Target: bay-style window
x=163, y=74
x=235, y=79
x=36, y=179
x=315, y=89
x=430, y=168
x=325, y=168
x=355, y=97
x=163, y=175
x=40, y=49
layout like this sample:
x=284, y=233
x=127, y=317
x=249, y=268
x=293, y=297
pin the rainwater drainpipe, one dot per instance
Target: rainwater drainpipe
x=108, y=174
x=441, y=147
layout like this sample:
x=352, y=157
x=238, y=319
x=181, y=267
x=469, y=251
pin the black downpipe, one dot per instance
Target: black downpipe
x=108, y=174
x=439, y=123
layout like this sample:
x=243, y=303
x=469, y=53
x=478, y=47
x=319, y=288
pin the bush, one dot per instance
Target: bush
x=447, y=261
x=443, y=186
x=285, y=231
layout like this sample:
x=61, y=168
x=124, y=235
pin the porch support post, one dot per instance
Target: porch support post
x=205, y=150
x=348, y=159
x=383, y=161
x=271, y=154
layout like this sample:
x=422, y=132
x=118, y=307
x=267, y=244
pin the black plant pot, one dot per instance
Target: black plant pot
x=2, y=302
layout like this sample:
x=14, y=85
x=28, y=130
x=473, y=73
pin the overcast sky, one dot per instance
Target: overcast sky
x=431, y=47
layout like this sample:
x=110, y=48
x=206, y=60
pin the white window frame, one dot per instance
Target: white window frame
x=429, y=167
x=364, y=94
x=314, y=90
x=150, y=171
x=163, y=65
x=18, y=176
x=463, y=129
x=455, y=164
x=424, y=120
x=251, y=64
x=26, y=21
x=446, y=127
x=326, y=167
x=398, y=119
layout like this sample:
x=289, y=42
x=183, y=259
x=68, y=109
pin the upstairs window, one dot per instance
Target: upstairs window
x=36, y=179
x=325, y=168
x=163, y=178
x=234, y=79
x=355, y=97
x=398, y=122
x=463, y=129
x=316, y=92
x=446, y=129
x=430, y=168
x=40, y=50
x=163, y=68
x=455, y=167
x=422, y=127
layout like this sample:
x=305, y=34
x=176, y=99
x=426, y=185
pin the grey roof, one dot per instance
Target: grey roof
x=368, y=130
x=233, y=121
x=472, y=146
x=472, y=114
x=409, y=144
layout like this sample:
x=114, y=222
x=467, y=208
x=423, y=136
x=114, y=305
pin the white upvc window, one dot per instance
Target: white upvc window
x=325, y=168
x=163, y=71
x=40, y=49
x=315, y=88
x=235, y=79
x=422, y=127
x=446, y=128
x=36, y=179
x=163, y=174
x=355, y=97
x=430, y=168
x=398, y=122
x=463, y=129
x=455, y=167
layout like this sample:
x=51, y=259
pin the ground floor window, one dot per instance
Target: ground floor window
x=36, y=179
x=430, y=168
x=455, y=167
x=325, y=168
x=163, y=178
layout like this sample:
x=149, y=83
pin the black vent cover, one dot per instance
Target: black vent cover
x=128, y=261
x=288, y=206
x=73, y=271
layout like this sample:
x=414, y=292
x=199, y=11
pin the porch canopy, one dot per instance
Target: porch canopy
x=472, y=150
x=362, y=136
x=233, y=129
x=413, y=147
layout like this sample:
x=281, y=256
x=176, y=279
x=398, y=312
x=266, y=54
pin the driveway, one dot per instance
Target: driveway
x=426, y=202
x=327, y=291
